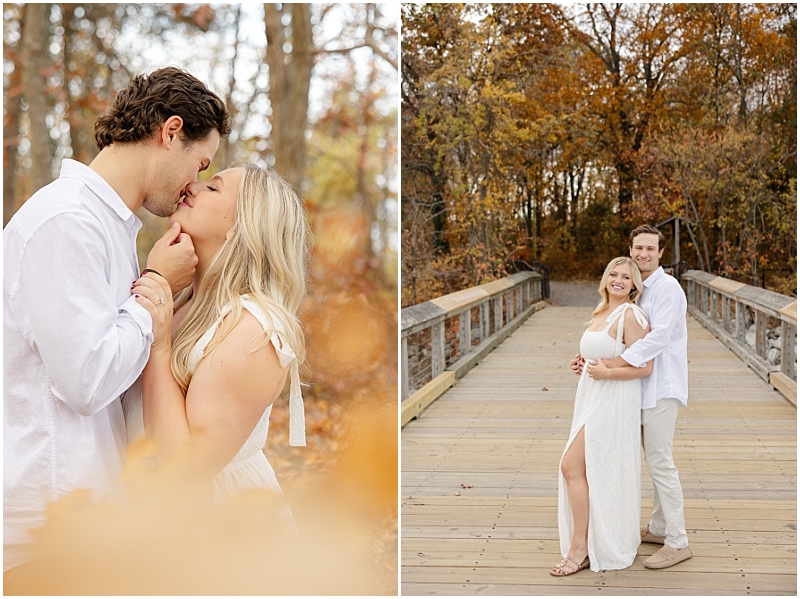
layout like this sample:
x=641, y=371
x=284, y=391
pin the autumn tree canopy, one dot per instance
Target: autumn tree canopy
x=546, y=132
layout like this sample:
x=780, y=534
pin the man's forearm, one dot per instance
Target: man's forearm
x=617, y=362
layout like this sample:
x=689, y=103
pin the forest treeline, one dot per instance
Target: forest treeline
x=546, y=132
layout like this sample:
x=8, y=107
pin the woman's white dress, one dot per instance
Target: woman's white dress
x=249, y=469
x=610, y=411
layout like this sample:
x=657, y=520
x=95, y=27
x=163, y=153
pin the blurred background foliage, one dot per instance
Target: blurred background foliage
x=312, y=89
x=548, y=131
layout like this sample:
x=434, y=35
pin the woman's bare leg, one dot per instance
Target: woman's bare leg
x=573, y=465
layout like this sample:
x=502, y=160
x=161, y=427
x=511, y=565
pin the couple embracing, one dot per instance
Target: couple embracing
x=633, y=378
x=200, y=343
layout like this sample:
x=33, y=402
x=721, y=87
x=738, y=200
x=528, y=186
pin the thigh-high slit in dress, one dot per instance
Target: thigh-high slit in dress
x=610, y=413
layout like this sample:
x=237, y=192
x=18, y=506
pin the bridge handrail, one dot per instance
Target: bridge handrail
x=500, y=305
x=730, y=309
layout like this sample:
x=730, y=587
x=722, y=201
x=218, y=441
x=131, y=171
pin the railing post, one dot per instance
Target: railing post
x=726, y=314
x=741, y=324
x=704, y=299
x=464, y=332
x=788, y=348
x=484, y=314
x=712, y=295
x=404, y=368
x=761, y=334
x=498, y=312
x=437, y=349
x=510, y=305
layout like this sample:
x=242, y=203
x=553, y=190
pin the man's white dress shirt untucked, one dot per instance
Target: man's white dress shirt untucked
x=74, y=339
x=664, y=304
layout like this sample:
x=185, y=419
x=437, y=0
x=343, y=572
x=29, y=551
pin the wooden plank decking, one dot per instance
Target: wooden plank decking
x=501, y=430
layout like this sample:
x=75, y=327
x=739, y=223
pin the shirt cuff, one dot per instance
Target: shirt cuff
x=140, y=316
x=633, y=359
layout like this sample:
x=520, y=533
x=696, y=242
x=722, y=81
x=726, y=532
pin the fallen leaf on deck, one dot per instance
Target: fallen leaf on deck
x=457, y=493
x=545, y=389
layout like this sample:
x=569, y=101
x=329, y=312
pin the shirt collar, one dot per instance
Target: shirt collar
x=97, y=185
x=648, y=282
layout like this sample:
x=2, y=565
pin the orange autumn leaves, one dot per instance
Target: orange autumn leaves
x=546, y=132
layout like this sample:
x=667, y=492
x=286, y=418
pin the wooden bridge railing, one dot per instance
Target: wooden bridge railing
x=443, y=338
x=759, y=326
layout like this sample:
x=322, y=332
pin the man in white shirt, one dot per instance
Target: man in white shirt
x=74, y=338
x=663, y=392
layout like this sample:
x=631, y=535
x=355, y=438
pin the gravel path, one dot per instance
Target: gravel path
x=574, y=294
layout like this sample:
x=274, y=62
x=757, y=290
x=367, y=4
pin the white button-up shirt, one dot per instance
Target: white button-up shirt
x=664, y=304
x=74, y=339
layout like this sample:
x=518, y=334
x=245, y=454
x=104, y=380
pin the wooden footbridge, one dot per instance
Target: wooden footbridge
x=480, y=457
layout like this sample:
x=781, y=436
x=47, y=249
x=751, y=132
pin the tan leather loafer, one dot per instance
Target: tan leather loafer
x=648, y=537
x=666, y=557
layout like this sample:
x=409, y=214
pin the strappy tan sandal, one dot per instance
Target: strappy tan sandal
x=568, y=567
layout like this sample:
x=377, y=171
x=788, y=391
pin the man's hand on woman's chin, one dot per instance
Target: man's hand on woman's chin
x=173, y=257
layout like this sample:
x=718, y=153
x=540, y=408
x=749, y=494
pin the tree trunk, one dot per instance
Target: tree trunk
x=81, y=130
x=289, y=82
x=538, y=214
x=368, y=207
x=34, y=62
x=81, y=73
x=738, y=52
x=528, y=210
x=11, y=137
x=224, y=155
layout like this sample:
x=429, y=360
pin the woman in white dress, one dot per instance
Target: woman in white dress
x=599, y=483
x=223, y=350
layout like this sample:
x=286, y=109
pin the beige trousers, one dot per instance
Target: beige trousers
x=658, y=430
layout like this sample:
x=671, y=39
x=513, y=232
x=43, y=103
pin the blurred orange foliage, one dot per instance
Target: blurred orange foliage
x=162, y=537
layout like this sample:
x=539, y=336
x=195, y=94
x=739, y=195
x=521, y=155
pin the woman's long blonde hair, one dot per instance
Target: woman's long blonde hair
x=265, y=257
x=638, y=286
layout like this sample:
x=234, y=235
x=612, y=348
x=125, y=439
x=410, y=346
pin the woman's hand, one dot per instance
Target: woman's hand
x=153, y=293
x=598, y=370
x=577, y=364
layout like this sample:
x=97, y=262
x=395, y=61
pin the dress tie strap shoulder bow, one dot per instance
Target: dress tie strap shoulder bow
x=286, y=356
x=637, y=312
x=619, y=312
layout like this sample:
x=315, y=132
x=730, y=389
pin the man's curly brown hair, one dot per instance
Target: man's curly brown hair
x=149, y=100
